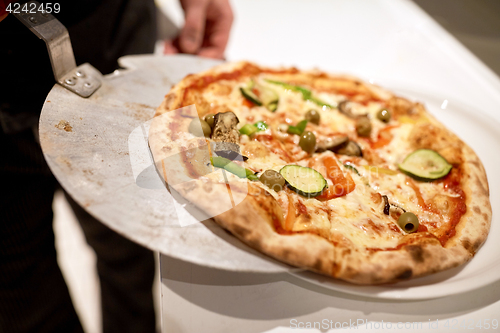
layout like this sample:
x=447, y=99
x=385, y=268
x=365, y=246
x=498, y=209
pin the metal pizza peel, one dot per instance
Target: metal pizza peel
x=94, y=135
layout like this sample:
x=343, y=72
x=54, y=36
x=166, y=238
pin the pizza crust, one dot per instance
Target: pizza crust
x=253, y=220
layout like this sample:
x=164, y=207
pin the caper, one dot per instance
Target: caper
x=363, y=126
x=313, y=116
x=307, y=141
x=408, y=222
x=272, y=179
x=384, y=115
x=199, y=127
x=209, y=118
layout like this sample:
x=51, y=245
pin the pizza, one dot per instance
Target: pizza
x=323, y=172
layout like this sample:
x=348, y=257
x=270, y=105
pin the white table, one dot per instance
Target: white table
x=392, y=43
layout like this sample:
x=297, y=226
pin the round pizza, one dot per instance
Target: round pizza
x=323, y=172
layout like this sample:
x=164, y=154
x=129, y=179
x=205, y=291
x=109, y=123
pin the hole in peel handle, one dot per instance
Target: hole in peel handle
x=83, y=80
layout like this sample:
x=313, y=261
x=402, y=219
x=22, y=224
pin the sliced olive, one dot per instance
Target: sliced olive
x=307, y=141
x=209, y=118
x=408, y=222
x=384, y=115
x=199, y=127
x=363, y=126
x=345, y=107
x=397, y=207
x=332, y=143
x=387, y=206
x=272, y=179
x=313, y=116
x=350, y=149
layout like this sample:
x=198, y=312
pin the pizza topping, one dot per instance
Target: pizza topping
x=303, y=180
x=313, y=116
x=350, y=167
x=345, y=107
x=363, y=126
x=209, y=118
x=307, y=141
x=299, y=129
x=387, y=206
x=383, y=115
x=340, y=145
x=225, y=127
x=272, y=179
x=343, y=184
x=199, y=127
x=227, y=150
x=375, y=169
x=260, y=95
x=306, y=93
x=248, y=129
x=425, y=164
x=238, y=170
x=331, y=143
x=350, y=149
x=261, y=125
x=408, y=222
x=387, y=129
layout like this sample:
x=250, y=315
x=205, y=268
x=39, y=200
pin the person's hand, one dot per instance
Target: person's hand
x=206, y=29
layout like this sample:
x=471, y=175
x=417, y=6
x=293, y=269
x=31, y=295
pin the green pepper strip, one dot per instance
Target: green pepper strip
x=306, y=93
x=250, y=175
x=262, y=126
x=229, y=166
x=299, y=129
x=248, y=129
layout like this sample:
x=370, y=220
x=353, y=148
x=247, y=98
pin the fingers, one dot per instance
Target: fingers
x=211, y=52
x=193, y=31
x=169, y=47
x=220, y=19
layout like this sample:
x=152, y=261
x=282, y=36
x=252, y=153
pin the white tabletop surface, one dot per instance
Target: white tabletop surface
x=392, y=43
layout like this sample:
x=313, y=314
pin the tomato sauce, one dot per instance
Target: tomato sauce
x=452, y=181
x=457, y=208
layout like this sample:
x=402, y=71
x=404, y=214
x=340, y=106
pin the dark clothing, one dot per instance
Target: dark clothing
x=33, y=295
x=100, y=30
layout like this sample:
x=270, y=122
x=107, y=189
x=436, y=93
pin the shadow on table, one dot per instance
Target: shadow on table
x=258, y=296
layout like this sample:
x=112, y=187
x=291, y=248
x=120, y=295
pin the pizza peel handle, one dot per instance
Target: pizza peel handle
x=83, y=80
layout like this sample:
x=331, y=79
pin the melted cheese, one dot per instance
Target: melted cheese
x=357, y=219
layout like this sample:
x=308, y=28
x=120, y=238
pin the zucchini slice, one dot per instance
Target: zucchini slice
x=425, y=164
x=265, y=96
x=303, y=180
x=248, y=93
